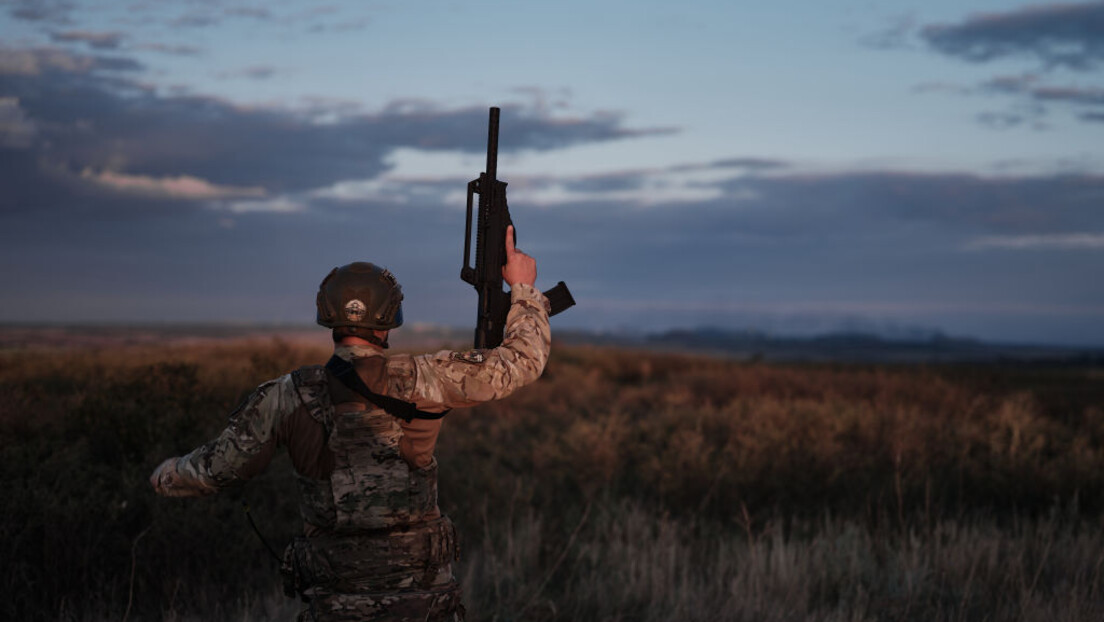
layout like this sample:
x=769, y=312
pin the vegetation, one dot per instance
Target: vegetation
x=623, y=486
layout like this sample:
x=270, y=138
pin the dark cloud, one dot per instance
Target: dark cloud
x=534, y=130
x=51, y=11
x=254, y=12
x=174, y=50
x=1067, y=36
x=105, y=133
x=1032, y=87
x=1035, y=97
x=1011, y=256
x=16, y=130
x=955, y=203
x=1074, y=95
x=747, y=164
x=757, y=164
x=940, y=249
x=1060, y=35
x=37, y=61
x=96, y=40
x=605, y=183
x=197, y=19
x=256, y=72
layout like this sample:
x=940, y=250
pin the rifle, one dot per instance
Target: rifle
x=490, y=250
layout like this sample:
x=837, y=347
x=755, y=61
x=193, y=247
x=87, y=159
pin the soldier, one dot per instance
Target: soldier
x=361, y=432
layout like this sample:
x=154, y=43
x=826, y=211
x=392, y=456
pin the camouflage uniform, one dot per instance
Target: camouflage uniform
x=375, y=546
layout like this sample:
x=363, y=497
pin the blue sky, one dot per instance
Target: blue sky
x=793, y=166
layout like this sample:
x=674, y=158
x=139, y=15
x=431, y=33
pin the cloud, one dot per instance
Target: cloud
x=1031, y=86
x=174, y=50
x=16, y=130
x=256, y=72
x=1075, y=95
x=1059, y=35
x=52, y=11
x=1054, y=241
x=194, y=19
x=278, y=205
x=640, y=188
x=727, y=242
x=894, y=35
x=96, y=40
x=1035, y=98
x=954, y=202
x=179, y=187
x=748, y=164
x=87, y=121
x=253, y=12
x=846, y=308
x=36, y=61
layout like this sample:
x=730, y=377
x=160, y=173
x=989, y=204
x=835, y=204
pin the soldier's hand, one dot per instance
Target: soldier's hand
x=168, y=483
x=519, y=268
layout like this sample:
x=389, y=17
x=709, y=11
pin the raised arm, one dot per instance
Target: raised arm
x=450, y=379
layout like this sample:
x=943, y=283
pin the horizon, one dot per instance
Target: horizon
x=410, y=335
x=793, y=168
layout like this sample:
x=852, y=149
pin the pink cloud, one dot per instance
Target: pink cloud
x=180, y=187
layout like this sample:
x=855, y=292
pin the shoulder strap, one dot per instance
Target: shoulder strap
x=345, y=372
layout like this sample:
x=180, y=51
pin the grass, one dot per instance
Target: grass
x=622, y=486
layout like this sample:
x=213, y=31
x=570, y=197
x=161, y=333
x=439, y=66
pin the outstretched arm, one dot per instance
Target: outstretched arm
x=241, y=451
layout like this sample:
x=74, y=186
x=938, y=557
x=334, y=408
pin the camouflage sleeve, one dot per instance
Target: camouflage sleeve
x=449, y=379
x=222, y=460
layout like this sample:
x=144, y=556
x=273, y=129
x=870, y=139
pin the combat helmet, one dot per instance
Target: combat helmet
x=358, y=298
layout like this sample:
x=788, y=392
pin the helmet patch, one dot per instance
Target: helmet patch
x=355, y=310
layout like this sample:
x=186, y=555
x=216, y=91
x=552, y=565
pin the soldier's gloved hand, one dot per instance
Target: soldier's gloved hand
x=519, y=268
x=168, y=482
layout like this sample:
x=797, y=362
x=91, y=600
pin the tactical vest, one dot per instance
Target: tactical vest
x=379, y=555
x=371, y=487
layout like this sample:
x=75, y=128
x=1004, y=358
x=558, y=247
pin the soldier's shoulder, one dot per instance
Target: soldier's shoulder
x=400, y=361
x=308, y=374
x=305, y=386
x=402, y=374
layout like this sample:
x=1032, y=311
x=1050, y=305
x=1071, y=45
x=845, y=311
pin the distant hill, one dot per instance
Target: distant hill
x=749, y=345
x=845, y=347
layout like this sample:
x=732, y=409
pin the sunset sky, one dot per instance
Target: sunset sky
x=795, y=166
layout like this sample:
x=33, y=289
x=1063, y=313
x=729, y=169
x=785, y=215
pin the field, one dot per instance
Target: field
x=624, y=485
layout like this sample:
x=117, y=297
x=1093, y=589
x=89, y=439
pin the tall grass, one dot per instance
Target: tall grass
x=622, y=486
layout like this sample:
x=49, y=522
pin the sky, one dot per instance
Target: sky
x=794, y=167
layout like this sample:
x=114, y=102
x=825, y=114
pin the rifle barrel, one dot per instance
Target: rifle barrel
x=492, y=148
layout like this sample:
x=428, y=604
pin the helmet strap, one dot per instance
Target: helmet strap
x=372, y=338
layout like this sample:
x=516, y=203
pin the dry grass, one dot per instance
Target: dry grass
x=622, y=486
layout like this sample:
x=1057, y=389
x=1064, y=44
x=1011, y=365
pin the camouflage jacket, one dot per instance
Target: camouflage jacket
x=275, y=415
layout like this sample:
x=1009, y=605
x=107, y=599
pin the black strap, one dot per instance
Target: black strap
x=272, y=551
x=345, y=372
